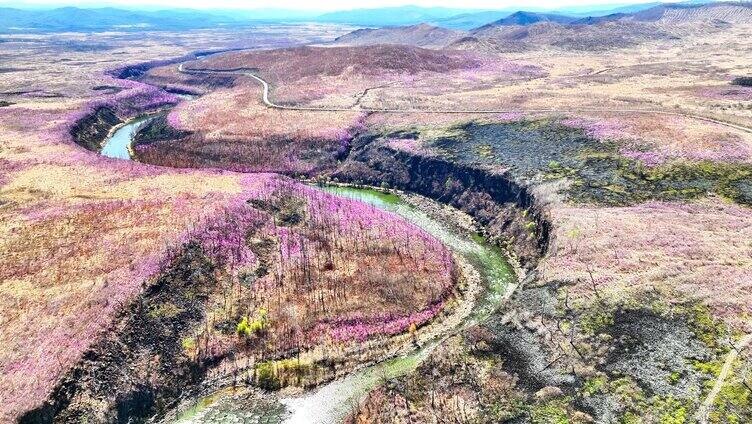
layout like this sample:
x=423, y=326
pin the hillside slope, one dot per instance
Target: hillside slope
x=736, y=13
x=523, y=18
x=422, y=35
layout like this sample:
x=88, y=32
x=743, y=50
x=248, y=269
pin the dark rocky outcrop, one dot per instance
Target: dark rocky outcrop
x=525, y=355
x=91, y=130
x=650, y=347
x=157, y=129
x=742, y=81
x=140, y=367
x=506, y=209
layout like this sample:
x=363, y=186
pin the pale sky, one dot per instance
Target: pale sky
x=325, y=5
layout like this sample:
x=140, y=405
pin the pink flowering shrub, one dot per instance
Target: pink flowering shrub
x=348, y=270
x=602, y=129
x=646, y=157
x=133, y=98
x=510, y=116
x=700, y=250
x=341, y=261
x=655, y=140
x=733, y=150
x=362, y=329
x=410, y=145
x=173, y=120
x=732, y=93
x=237, y=133
x=137, y=97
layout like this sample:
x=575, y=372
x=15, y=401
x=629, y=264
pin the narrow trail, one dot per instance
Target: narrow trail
x=359, y=108
x=707, y=405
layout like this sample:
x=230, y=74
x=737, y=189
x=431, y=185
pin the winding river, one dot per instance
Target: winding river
x=119, y=142
x=332, y=401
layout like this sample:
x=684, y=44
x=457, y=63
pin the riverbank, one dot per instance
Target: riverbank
x=373, y=353
x=333, y=400
x=506, y=209
x=493, y=204
x=226, y=397
x=365, y=353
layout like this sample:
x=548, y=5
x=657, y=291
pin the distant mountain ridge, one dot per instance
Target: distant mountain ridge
x=391, y=16
x=523, y=29
x=101, y=19
x=740, y=12
x=466, y=21
x=523, y=18
x=731, y=12
x=421, y=35
x=105, y=19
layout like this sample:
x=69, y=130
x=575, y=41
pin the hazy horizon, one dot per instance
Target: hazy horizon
x=327, y=6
